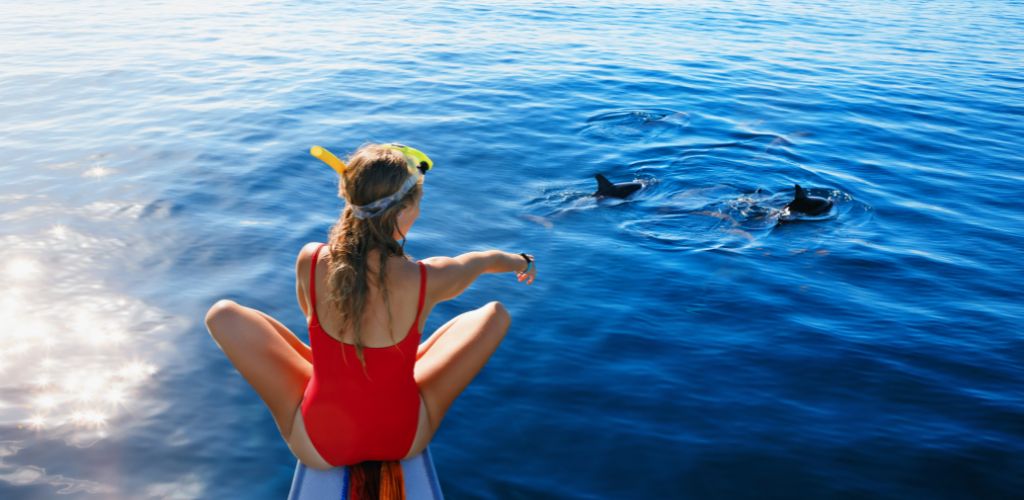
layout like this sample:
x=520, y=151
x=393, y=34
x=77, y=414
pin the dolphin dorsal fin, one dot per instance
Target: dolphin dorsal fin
x=603, y=184
x=800, y=193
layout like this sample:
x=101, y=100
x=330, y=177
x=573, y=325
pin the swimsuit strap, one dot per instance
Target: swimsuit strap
x=312, y=288
x=423, y=294
x=312, y=282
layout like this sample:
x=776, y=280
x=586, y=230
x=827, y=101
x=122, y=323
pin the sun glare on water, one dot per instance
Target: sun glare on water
x=67, y=355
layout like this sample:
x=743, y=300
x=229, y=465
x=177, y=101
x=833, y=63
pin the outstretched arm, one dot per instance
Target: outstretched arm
x=450, y=276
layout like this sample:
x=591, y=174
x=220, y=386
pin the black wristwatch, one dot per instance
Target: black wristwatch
x=529, y=262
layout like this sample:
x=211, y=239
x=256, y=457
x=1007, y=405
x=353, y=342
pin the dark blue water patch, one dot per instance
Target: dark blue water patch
x=647, y=123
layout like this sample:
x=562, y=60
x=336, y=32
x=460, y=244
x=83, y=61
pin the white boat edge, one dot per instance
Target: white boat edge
x=421, y=481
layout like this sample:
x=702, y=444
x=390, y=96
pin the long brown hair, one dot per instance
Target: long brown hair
x=374, y=171
x=376, y=481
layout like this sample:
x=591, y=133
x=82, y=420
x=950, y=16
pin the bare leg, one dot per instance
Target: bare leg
x=424, y=347
x=264, y=356
x=296, y=343
x=450, y=360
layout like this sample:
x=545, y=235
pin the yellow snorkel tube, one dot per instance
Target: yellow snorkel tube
x=327, y=157
x=417, y=163
x=416, y=158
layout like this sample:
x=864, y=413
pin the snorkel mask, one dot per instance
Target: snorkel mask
x=416, y=162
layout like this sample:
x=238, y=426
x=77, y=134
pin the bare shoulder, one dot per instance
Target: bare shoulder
x=436, y=267
x=442, y=272
x=408, y=269
x=305, y=259
x=438, y=262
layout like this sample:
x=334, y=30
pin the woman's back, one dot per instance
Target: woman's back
x=363, y=409
x=403, y=278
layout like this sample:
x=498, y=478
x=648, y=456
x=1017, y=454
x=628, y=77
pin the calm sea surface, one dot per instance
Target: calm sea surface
x=689, y=342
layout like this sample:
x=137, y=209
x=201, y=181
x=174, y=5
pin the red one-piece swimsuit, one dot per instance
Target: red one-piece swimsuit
x=354, y=415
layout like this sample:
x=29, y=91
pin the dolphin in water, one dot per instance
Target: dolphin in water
x=620, y=190
x=808, y=205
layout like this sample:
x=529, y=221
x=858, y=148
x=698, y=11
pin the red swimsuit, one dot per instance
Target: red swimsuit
x=353, y=415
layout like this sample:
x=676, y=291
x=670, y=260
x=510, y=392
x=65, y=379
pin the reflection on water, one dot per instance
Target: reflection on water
x=74, y=354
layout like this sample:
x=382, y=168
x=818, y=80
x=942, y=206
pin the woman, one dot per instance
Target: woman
x=366, y=389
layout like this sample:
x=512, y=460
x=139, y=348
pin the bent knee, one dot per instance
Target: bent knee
x=496, y=312
x=222, y=311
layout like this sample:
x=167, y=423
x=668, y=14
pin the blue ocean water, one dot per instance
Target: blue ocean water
x=689, y=342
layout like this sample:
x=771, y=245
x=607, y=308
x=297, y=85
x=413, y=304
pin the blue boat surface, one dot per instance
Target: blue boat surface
x=311, y=484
